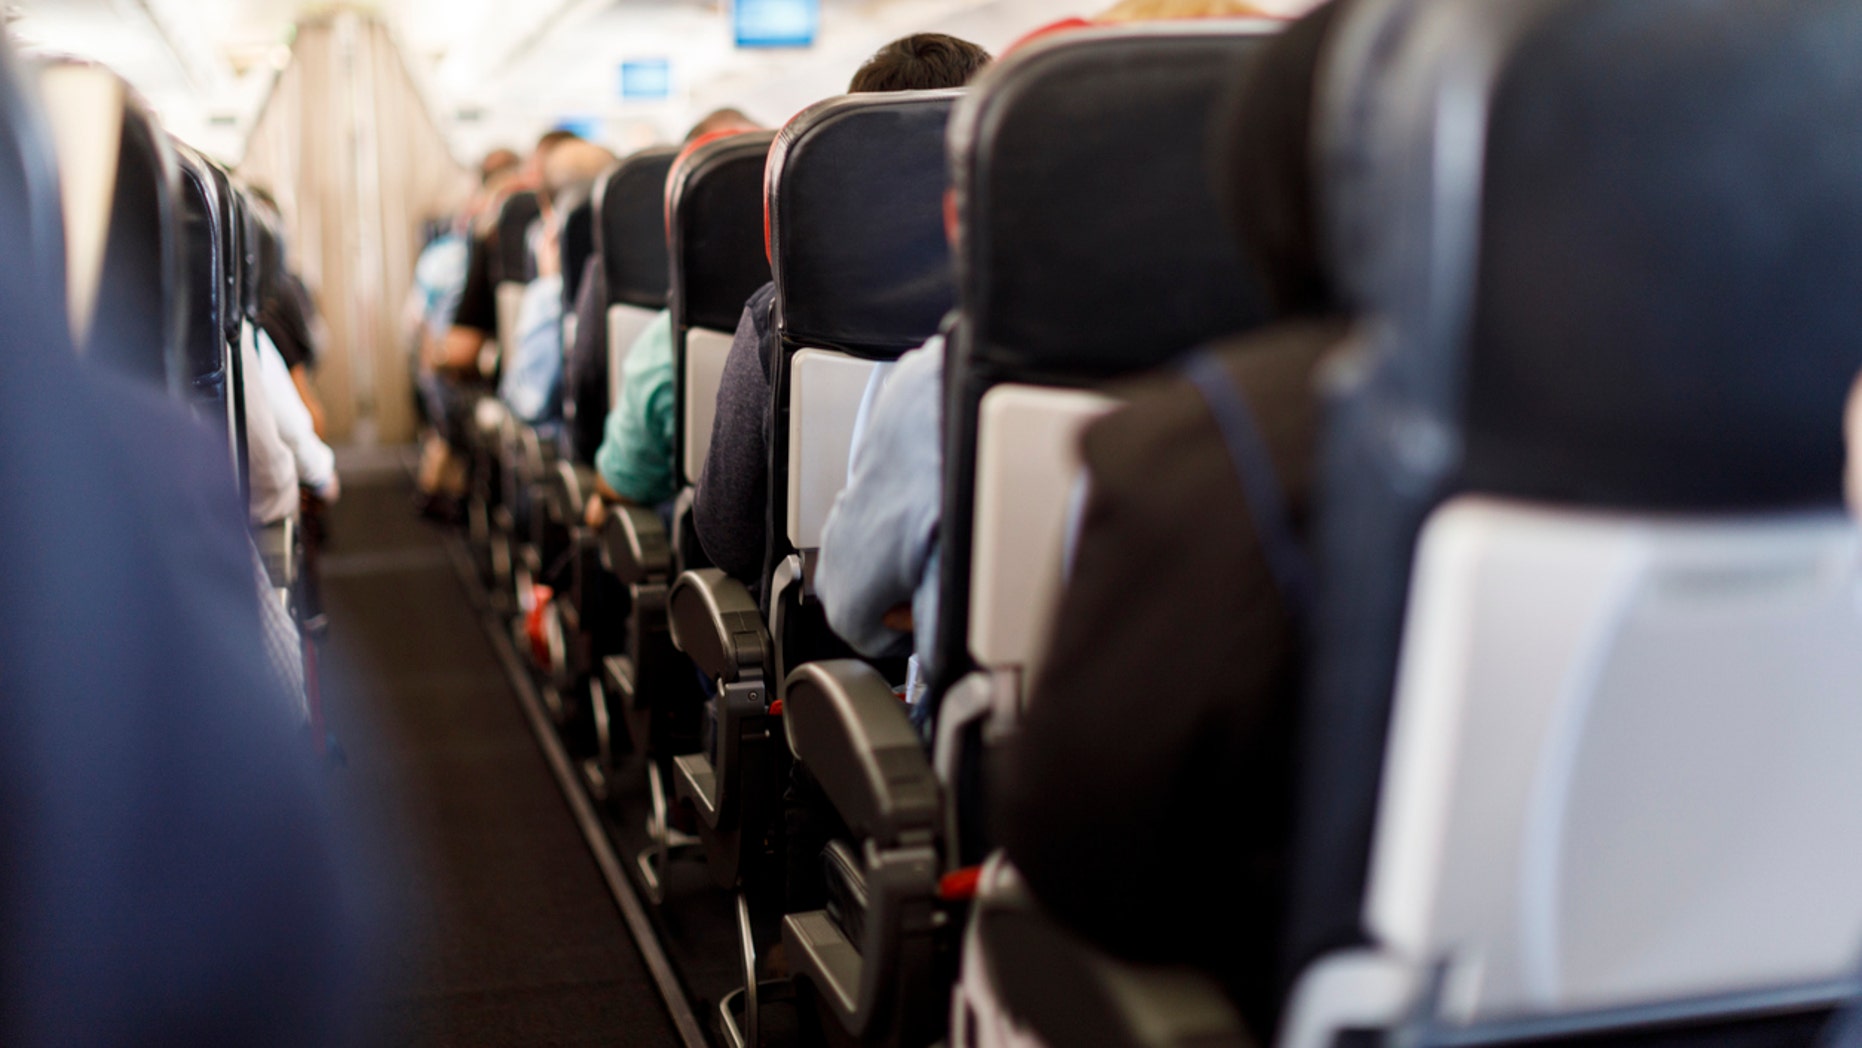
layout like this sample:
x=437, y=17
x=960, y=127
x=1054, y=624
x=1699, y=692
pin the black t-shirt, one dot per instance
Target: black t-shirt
x=478, y=303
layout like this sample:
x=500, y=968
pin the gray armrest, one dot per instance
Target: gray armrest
x=716, y=622
x=570, y=485
x=637, y=545
x=850, y=729
x=1066, y=991
x=535, y=453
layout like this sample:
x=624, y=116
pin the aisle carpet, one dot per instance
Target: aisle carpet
x=507, y=933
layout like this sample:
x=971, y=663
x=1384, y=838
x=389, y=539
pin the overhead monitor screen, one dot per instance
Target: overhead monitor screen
x=646, y=79
x=777, y=23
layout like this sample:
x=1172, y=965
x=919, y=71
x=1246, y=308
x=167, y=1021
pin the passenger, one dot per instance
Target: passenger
x=439, y=284
x=588, y=367
x=531, y=383
x=1147, y=800
x=287, y=314
x=314, y=461
x=634, y=461
x=730, y=510
x=877, y=575
x=456, y=384
x=271, y=467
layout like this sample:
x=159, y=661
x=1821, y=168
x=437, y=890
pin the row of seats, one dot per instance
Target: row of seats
x=172, y=874
x=1576, y=611
x=170, y=262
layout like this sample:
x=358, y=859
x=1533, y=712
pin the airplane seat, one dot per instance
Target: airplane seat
x=562, y=501
x=206, y=359
x=233, y=315
x=853, y=191
x=576, y=243
x=122, y=191
x=629, y=234
x=1081, y=188
x=555, y=497
x=714, y=224
x=1574, y=767
x=490, y=515
x=717, y=261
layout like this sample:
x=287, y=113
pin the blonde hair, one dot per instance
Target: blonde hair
x=1162, y=10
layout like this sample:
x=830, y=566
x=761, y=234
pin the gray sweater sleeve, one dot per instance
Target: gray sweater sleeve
x=731, y=509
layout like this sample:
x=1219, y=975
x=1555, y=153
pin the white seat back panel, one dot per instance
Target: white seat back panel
x=1623, y=761
x=1027, y=462
x=705, y=351
x=625, y=323
x=825, y=390
x=509, y=297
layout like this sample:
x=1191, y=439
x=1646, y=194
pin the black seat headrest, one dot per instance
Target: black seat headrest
x=512, y=262
x=856, y=222
x=232, y=252
x=1092, y=242
x=251, y=257
x=714, y=199
x=137, y=325
x=1664, y=313
x=1603, y=258
x=577, y=243
x=630, y=227
x=201, y=369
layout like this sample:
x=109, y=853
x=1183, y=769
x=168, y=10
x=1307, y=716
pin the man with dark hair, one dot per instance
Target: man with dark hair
x=729, y=511
x=920, y=62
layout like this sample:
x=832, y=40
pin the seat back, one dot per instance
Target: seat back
x=122, y=190
x=855, y=191
x=714, y=225
x=1580, y=544
x=576, y=243
x=205, y=363
x=630, y=234
x=1090, y=246
x=511, y=266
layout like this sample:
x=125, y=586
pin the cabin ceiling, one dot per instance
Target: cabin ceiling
x=497, y=72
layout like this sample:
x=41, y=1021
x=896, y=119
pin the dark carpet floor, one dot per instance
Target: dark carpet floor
x=507, y=933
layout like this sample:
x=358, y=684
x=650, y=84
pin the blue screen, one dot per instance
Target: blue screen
x=777, y=23
x=646, y=78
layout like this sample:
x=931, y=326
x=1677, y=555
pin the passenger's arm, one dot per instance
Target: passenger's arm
x=476, y=316
x=634, y=462
x=458, y=351
x=300, y=380
x=733, y=488
x=878, y=536
x=316, y=463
